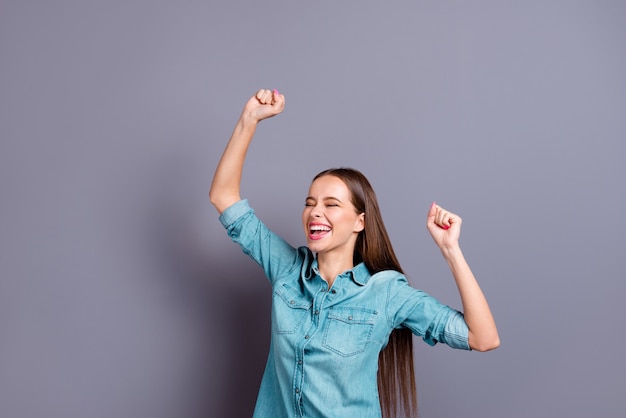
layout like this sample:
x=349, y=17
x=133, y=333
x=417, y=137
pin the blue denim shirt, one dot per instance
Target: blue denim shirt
x=325, y=342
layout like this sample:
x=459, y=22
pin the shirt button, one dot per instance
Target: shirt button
x=297, y=390
x=317, y=312
x=306, y=337
x=350, y=318
x=300, y=362
x=292, y=302
x=333, y=291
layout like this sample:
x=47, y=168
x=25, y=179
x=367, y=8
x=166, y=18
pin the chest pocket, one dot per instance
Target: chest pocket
x=289, y=309
x=348, y=330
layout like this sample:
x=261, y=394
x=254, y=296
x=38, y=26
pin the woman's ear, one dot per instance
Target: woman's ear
x=360, y=223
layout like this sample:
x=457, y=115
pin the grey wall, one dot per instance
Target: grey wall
x=121, y=296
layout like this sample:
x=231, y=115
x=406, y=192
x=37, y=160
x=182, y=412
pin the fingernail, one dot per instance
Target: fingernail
x=446, y=227
x=276, y=92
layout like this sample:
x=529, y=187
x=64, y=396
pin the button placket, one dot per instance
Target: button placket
x=301, y=350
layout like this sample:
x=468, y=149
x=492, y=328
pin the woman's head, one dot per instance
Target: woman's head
x=371, y=242
x=330, y=220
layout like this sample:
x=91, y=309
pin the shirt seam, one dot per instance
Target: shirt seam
x=387, y=303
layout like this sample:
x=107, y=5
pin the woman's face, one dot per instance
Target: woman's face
x=330, y=221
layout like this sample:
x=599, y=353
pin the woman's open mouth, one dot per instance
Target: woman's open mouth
x=318, y=231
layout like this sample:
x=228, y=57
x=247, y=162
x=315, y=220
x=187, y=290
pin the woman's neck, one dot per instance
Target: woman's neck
x=332, y=265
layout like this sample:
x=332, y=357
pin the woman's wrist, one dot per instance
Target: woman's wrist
x=247, y=120
x=452, y=253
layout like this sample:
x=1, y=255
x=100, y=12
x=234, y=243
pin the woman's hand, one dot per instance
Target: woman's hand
x=444, y=227
x=264, y=104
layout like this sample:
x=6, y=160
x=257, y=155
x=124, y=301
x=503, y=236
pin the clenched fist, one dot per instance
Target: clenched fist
x=264, y=104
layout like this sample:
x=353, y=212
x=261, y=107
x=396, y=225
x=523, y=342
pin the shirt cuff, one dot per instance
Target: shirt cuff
x=234, y=212
x=456, y=331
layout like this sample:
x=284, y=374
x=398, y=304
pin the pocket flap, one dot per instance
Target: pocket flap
x=292, y=297
x=353, y=315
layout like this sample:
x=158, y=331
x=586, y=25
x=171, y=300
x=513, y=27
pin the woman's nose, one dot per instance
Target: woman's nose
x=316, y=211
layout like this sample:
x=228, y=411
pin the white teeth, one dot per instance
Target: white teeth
x=320, y=228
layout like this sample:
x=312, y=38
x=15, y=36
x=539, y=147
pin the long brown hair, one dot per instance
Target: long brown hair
x=396, y=372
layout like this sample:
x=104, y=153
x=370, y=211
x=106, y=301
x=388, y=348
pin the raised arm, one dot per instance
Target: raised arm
x=227, y=178
x=445, y=228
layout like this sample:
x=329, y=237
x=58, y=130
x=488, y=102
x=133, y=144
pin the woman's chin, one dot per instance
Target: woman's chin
x=315, y=245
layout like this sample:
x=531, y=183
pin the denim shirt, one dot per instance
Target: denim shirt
x=325, y=342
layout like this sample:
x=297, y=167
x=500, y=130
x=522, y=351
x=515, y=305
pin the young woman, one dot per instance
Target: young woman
x=343, y=314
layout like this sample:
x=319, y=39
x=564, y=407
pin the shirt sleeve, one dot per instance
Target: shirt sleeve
x=271, y=252
x=425, y=316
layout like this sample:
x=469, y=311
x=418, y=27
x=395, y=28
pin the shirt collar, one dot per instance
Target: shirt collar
x=359, y=273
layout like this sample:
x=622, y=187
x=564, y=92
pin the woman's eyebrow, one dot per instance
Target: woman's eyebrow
x=325, y=198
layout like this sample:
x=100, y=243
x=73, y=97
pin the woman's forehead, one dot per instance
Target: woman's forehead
x=329, y=186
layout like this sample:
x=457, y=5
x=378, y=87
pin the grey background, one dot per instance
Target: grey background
x=121, y=296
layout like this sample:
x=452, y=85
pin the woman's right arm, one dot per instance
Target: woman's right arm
x=227, y=179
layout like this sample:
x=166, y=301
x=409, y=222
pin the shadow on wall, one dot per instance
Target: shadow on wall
x=240, y=310
x=227, y=299
x=232, y=301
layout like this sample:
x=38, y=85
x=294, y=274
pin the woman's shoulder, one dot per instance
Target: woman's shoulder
x=389, y=278
x=388, y=274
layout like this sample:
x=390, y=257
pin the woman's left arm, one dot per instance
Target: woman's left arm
x=445, y=228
